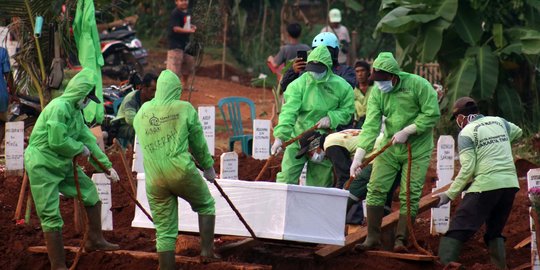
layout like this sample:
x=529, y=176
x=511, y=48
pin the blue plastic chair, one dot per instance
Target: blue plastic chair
x=235, y=118
x=116, y=105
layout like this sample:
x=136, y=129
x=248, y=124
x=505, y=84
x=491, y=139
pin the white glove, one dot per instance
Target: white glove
x=113, y=175
x=357, y=161
x=402, y=135
x=210, y=174
x=276, y=147
x=324, y=122
x=85, y=152
x=443, y=198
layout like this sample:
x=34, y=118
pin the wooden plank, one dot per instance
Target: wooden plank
x=238, y=246
x=523, y=243
x=330, y=251
x=154, y=256
x=402, y=256
x=523, y=266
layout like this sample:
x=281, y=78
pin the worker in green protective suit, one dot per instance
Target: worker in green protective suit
x=317, y=97
x=168, y=129
x=410, y=106
x=58, y=136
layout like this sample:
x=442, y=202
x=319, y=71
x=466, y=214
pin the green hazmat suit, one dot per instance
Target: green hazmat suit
x=412, y=101
x=167, y=129
x=58, y=136
x=125, y=116
x=307, y=101
x=89, y=51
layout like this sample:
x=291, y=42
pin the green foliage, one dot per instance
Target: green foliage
x=486, y=49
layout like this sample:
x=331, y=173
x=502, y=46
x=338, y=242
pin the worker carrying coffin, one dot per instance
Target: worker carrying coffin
x=317, y=97
x=168, y=129
x=58, y=136
x=410, y=106
x=488, y=176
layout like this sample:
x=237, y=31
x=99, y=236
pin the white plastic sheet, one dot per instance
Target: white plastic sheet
x=273, y=210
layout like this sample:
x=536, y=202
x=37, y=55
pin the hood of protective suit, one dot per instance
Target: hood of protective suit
x=79, y=86
x=168, y=87
x=322, y=55
x=386, y=61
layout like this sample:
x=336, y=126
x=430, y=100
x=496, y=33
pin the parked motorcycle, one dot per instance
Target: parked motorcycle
x=122, y=52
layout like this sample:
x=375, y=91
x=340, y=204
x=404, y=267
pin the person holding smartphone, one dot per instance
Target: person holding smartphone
x=289, y=51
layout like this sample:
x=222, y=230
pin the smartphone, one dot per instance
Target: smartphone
x=302, y=54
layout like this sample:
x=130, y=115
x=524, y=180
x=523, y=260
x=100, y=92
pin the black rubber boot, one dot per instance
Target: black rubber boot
x=167, y=260
x=374, y=220
x=402, y=235
x=95, y=235
x=55, y=250
x=497, y=252
x=206, y=229
x=449, y=249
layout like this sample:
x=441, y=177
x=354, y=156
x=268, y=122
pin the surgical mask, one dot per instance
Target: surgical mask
x=317, y=157
x=317, y=76
x=83, y=103
x=384, y=86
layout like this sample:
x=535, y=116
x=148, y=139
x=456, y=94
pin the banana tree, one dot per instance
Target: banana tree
x=485, y=49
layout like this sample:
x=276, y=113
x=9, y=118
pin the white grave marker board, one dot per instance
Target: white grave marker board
x=228, y=168
x=440, y=217
x=207, y=116
x=303, y=176
x=137, y=165
x=261, y=139
x=14, y=138
x=103, y=185
x=533, y=180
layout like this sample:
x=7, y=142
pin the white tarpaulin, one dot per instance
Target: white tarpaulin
x=273, y=210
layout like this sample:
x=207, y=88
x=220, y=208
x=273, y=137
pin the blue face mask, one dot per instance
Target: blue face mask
x=317, y=76
x=384, y=86
x=318, y=157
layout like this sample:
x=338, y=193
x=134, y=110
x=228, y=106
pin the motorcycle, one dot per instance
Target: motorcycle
x=122, y=52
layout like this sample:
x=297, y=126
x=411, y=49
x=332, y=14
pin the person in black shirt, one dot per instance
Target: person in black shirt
x=180, y=28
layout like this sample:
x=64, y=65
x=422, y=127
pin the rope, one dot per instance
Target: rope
x=409, y=219
x=367, y=161
x=85, y=218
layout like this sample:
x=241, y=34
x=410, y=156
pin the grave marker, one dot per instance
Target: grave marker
x=14, y=148
x=103, y=185
x=533, y=180
x=207, y=116
x=440, y=217
x=228, y=168
x=261, y=139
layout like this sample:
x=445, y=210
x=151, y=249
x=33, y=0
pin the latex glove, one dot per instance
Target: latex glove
x=402, y=135
x=113, y=175
x=210, y=174
x=357, y=161
x=276, y=147
x=85, y=152
x=298, y=65
x=324, y=122
x=443, y=198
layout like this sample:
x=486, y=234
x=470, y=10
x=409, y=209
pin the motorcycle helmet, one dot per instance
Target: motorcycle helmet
x=327, y=39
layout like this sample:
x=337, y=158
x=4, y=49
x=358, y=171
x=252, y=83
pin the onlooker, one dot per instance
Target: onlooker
x=334, y=18
x=361, y=92
x=4, y=73
x=288, y=51
x=487, y=175
x=180, y=28
x=332, y=44
x=129, y=108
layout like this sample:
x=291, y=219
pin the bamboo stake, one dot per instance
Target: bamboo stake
x=28, y=212
x=224, y=52
x=126, y=167
x=85, y=218
x=22, y=193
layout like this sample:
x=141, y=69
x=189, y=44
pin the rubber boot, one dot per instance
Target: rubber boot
x=95, y=235
x=449, y=249
x=402, y=235
x=167, y=260
x=55, y=250
x=206, y=230
x=497, y=252
x=374, y=220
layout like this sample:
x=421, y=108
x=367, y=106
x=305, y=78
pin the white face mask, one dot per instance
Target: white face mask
x=317, y=76
x=317, y=157
x=83, y=103
x=384, y=86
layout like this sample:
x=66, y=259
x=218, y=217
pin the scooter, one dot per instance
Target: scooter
x=122, y=52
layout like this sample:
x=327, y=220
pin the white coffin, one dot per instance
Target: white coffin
x=272, y=210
